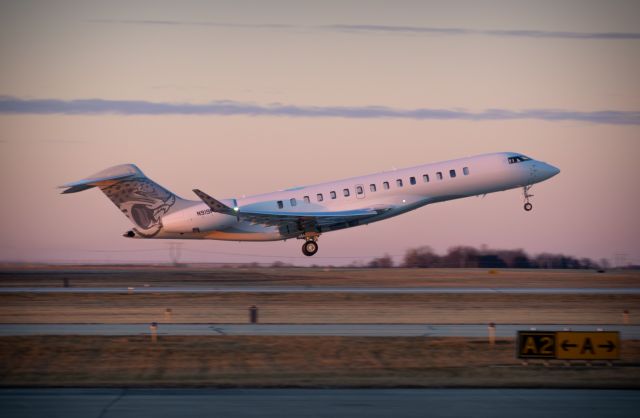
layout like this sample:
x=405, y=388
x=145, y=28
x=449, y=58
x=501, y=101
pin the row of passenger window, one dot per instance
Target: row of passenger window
x=373, y=188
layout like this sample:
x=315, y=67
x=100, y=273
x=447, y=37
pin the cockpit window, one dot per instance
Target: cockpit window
x=518, y=159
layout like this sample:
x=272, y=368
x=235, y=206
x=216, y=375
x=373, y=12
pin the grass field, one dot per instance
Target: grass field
x=138, y=276
x=293, y=362
x=306, y=308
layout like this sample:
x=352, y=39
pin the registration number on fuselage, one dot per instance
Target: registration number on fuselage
x=204, y=212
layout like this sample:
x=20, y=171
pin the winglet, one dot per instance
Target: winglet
x=214, y=204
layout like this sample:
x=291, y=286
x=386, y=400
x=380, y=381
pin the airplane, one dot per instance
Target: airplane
x=307, y=212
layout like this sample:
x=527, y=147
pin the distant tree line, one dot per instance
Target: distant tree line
x=470, y=257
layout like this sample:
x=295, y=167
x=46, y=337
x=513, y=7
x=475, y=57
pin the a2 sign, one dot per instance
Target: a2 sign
x=568, y=345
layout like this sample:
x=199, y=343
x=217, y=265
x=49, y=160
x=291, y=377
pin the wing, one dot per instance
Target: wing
x=293, y=221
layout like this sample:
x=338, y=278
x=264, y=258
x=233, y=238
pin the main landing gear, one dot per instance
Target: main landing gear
x=310, y=246
x=527, y=206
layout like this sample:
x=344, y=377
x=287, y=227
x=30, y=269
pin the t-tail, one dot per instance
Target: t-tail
x=142, y=200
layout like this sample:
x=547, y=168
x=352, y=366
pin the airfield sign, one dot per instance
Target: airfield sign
x=587, y=345
x=568, y=345
x=536, y=344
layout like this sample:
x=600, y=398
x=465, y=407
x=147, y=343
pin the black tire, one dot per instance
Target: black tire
x=309, y=248
x=528, y=206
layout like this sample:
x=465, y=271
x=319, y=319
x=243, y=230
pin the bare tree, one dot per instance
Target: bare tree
x=383, y=262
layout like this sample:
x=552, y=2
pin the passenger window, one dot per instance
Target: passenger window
x=280, y=204
x=333, y=194
x=465, y=171
x=359, y=190
x=385, y=185
x=399, y=182
x=319, y=197
x=439, y=175
x=293, y=201
x=307, y=200
x=452, y=173
x=412, y=180
x=345, y=192
x=372, y=187
x=425, y=178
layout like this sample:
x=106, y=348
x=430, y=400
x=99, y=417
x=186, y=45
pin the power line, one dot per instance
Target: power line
x=176, y=249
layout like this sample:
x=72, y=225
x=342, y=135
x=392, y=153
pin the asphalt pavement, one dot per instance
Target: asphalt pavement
x=361, y=330
x=365, y=403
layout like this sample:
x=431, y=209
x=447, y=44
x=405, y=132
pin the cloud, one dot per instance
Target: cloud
x=486, y=32
x=386, y=29
x=196, y=23
x=13, y=105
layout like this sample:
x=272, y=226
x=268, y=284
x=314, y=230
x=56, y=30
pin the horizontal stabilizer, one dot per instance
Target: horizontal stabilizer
x=119, y=172
x=214, y=205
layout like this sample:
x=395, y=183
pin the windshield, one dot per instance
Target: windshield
x=518, y=159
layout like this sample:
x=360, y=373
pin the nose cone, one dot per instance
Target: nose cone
x=550, y=170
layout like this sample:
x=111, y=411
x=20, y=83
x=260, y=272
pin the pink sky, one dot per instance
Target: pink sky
x=198, y=53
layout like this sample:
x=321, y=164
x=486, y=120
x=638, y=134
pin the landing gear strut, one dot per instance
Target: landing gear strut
x=527, y=206
x=310, y=246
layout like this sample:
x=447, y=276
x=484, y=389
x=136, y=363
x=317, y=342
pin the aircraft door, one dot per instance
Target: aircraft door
x=360, y=191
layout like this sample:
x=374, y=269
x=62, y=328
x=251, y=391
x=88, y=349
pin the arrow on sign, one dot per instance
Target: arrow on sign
x=609, y=346
x=566, y=346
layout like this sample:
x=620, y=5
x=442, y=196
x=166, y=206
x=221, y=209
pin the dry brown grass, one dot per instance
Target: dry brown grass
x=308, y=308
x=291, y=361
x=117, y=276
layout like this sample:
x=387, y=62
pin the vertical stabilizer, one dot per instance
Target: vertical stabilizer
x=142, y=200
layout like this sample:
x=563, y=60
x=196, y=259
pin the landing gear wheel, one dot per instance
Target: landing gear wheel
x=309, y=248
x=528, y=206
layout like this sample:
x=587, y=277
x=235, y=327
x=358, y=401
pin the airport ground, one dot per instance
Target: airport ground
x=204, y=275
x=294, y=361
x=318, y=403
x=304, y=361
x=319, y=308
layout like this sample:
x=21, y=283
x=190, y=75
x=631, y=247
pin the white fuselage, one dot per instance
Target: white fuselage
x=408, y=189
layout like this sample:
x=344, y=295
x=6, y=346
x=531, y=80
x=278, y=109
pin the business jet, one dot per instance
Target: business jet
x=307, y=212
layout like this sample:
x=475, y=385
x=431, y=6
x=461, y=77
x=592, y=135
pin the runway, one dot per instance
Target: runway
x=323, y=289
x=361, y=330
x=366, y=403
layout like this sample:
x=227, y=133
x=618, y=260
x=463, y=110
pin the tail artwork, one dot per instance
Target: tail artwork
x=143, y=201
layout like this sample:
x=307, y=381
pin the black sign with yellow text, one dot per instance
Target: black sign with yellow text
x=536, y=344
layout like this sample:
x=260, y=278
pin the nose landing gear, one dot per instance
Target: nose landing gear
x=527, y=205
